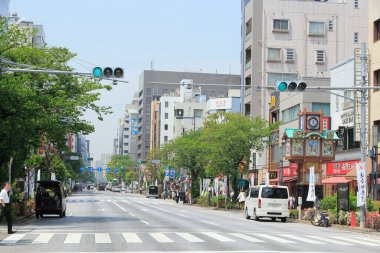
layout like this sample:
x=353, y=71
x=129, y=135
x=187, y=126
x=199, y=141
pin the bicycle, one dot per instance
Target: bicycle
x=374, y=222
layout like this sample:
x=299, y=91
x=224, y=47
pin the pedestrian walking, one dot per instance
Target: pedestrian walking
x=293, y=202
x=177, y=196
x=6, y=206
x=241, y=198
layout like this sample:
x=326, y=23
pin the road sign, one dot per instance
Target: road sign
x=167, y=171
x=90, y=169
x=100, y=169
x=116, y=170
x=172, y=173
x=82, y=169
x=108, y=170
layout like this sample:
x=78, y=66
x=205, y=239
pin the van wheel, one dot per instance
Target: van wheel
x=37, y=215
x=283, y=219
x=255, y=216
x=246, y=214
x=64, y=213
x=61, y=214
x=273, y=218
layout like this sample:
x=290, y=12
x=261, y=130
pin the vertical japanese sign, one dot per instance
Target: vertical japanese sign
x=311, y=193
x=358, y=82
x=362, y=183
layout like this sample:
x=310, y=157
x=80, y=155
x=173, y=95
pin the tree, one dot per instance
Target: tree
x=40, y=109
x=123, y=163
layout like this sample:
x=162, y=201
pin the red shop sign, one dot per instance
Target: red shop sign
x=341, y=168
x=291, y=171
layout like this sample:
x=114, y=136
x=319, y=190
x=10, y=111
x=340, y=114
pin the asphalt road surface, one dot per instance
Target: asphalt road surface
x=121, y=222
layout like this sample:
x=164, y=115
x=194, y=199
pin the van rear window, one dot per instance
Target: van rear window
x=274, y=193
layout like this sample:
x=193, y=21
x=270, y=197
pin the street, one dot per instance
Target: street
x=106, y=222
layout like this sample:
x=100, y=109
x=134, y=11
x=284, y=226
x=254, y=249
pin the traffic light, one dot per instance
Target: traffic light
x=108, y=72
x=290, y=86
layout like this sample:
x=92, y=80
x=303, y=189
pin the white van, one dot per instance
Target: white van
x=270, y=201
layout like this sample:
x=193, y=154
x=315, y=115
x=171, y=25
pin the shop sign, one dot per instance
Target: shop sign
x=341, y=168
x=291, y=171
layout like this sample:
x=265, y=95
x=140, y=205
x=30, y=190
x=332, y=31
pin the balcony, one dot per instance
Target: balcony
x=248, y=36
x=248, y=91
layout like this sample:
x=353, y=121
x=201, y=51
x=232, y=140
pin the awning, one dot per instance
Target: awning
x=285, y=179
x=335, y=180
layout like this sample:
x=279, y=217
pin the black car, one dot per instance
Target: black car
x=50, y=198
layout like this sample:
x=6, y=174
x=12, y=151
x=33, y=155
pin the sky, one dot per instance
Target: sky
x=177, y=35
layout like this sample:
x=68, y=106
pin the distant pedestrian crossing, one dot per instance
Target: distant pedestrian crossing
x=183, y=237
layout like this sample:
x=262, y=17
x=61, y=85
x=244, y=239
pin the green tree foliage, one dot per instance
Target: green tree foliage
x=40, y=109
x=123, y=163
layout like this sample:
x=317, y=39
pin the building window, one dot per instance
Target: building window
x=274, y=77
x=166, y=127
x=125, y=151
x=165, y=139
x=280, y=25
x=331, y=25
x=179, y=113
x=377, y=30
x=356, y=37
x=376, y=78
x=325, y=107
x=166, y=115
x=316, y=28
x=166, y=104
x=274, y=54
x=320, y=56
x=290, y=55
x=198, y=113
x=356, y=3
x=126, y=144
x=290, y=114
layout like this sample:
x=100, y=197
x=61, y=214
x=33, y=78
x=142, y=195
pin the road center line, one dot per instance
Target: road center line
x=122, y=208
x=209, y=223
x=182, y=215
x=147, y=223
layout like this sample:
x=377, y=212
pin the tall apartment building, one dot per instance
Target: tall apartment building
x=158, y=83
x=295, y=40
x=38, y=39
x=127, y=132
x=374, y=67
x=4, y=8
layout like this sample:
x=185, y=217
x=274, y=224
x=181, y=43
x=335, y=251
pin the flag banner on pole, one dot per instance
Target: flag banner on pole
x=311, y=192
x=362, y=184
x=266, y=178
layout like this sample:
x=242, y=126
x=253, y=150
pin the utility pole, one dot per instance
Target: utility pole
x=374, y=157
x=363, y=116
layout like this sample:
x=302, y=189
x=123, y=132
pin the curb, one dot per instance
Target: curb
x=22, y=219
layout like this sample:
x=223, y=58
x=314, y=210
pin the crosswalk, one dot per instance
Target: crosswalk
x=185, y=237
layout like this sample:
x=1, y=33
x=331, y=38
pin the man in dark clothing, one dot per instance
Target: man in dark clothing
x=6, y=206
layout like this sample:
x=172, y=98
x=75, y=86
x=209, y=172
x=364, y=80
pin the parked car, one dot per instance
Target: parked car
x=267, y=202
x=152, y=192
x=116, y=189
x=50, y=198
x=128, y=190
x=101, y=187
x=77, y=188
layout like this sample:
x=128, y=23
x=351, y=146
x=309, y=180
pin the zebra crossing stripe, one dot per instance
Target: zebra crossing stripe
x=218, y=237
x=12, y=239
x=131, y=238
x=43, y=238
x=246, y=237
x=294, y=237
x=370, y=240
x=329, y=240
x=189, y=237
x=73, y=238
x=161, y=238
x=274, y=238
x=355, y=241
x=102, y=238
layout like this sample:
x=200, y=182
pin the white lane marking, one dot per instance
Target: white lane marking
x=131, y=238
x=158, y=208
x=122, y=208
x=144, y=209
x=43, y=238
x=315, y=237
x=182, y=215
x=358, y=241
x=131, y=214
x=246, y=237
x=161, y=238
x=189, y=237
x=370, y=240
x=73, y=238
x=297, y=238
x=204, y=221
x=102, y=238
x=218, y=237
x=147, y=223
x=274, y=238
x=12, y=239
x=184, y=211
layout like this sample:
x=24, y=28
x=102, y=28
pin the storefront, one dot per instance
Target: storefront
x=290, y=176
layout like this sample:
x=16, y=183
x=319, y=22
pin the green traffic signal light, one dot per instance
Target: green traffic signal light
x=282, y=86
x=97, y=72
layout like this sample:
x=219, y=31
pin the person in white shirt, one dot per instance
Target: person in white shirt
x=6, y=206
x=241, y=198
